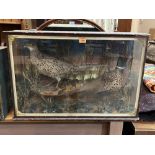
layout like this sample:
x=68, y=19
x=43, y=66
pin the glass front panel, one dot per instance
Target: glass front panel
x=64, y=76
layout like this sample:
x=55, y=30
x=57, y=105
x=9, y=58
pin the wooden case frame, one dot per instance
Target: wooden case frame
x=39, y=34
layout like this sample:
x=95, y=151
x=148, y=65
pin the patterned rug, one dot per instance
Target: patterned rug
x=149, y=77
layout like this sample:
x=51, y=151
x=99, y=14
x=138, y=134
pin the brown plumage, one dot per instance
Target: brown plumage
x=50, y=67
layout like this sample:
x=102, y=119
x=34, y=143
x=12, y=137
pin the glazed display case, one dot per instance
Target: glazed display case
x=4, y=83
x=76, y=75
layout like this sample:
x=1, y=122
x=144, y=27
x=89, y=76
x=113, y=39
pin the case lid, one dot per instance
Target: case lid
x=76, y=33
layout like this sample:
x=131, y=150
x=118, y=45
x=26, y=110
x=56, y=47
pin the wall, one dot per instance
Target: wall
x=142, y=25
x=107, y=24
x=135, y=25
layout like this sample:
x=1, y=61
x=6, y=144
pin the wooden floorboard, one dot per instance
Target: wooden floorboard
x=144, y=128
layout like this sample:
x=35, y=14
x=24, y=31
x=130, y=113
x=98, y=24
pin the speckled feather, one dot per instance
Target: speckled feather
x=50, y=67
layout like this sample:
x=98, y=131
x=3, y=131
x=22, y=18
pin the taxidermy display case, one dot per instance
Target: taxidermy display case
x=76, y=75
x=4, y=83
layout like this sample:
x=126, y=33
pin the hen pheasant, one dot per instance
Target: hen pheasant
x=50, y=67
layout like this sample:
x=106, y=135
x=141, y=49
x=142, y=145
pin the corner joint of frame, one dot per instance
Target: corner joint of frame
x=11, y=38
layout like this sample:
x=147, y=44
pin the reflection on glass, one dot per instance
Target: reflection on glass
x=56, y=76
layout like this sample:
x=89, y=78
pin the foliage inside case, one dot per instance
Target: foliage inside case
x=64, y=76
